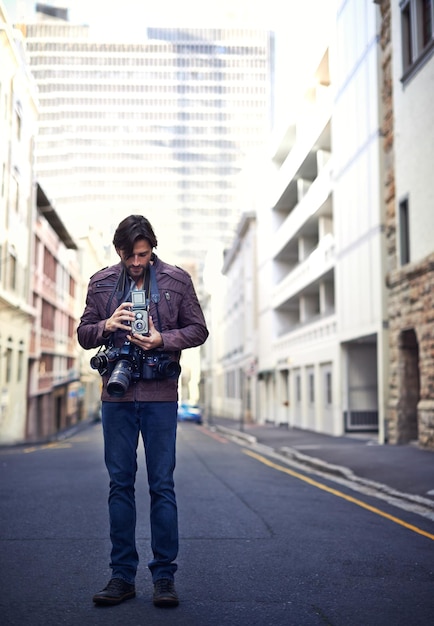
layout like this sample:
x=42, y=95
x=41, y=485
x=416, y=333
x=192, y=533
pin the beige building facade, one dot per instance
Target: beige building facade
x=18, y=115
x=234, y=390
x=54, y=388
x=39, y=272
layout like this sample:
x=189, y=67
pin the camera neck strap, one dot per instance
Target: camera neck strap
x=155, y=294
x=119, y=290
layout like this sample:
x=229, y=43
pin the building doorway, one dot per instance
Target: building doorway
x=409, y=386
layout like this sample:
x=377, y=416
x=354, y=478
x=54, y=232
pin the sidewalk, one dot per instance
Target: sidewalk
x=406, y=469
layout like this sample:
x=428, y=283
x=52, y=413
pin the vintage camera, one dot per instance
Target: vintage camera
x=139, y=326
x=130, y=363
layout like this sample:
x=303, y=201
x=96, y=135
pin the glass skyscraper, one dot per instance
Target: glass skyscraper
x=161, y=127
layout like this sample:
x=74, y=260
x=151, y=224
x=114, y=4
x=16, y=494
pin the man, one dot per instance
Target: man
x=138, y=361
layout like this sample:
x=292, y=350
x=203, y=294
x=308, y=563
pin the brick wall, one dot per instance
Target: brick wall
x=411, y=307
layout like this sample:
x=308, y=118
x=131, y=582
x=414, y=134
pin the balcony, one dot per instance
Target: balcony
x=47, y=341
x=313, y=134
x=47, y=381
x=322, y=329
x=317, y=264
x=314, y=202
x=65, y=376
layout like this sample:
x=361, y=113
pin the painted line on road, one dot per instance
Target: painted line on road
x=205, y=431
x=48, y=446
x=339, y=494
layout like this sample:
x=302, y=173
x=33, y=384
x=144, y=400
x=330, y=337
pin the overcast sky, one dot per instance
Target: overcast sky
x=297, y=22
x=265, y=13
x=300, y=25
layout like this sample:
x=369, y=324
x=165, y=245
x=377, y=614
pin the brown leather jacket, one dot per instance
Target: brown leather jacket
x=179, y=312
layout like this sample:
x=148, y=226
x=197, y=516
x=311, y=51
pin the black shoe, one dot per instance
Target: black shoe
x=164, y=593
x=116, y=592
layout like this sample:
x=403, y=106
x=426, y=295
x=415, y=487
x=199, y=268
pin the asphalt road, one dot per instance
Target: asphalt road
x=261, y=543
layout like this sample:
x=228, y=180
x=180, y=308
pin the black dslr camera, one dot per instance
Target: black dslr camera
x=159, y=365
x=129, y=364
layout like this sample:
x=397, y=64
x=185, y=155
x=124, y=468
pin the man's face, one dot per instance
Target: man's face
x=138, y=261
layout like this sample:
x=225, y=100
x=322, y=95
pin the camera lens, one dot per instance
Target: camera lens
x=120, y=379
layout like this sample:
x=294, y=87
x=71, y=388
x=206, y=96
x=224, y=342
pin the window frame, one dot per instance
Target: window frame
x=416, y=44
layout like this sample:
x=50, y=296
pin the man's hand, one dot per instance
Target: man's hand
x=121, y=319
x=151, y=341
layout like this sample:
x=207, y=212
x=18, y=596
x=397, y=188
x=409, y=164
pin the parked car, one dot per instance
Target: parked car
x=188, y=412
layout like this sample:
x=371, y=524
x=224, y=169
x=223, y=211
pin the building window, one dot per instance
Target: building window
x=47, y=316
x=71, y=327
x=49, y=265
x=404, y=232
x=417, y=33
x=427, y=22
x=8, y=365
x=298, y=388
x=328, y=388
x=311, y=388
x=12, y=272
x=71, y=287
x=20, y=366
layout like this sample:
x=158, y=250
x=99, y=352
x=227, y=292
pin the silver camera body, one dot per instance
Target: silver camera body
x=140, y=325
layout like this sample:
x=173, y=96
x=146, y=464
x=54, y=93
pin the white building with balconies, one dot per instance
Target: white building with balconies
x=322, y=336
x=298, y=331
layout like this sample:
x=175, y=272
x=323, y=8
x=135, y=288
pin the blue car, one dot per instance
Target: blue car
x=189, y=413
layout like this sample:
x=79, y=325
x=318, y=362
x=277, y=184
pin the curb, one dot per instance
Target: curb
x=61, y=435
x=235, y=434
x=338, y=471
x=348, y=474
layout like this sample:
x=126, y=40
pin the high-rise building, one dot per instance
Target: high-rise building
x=162, y=127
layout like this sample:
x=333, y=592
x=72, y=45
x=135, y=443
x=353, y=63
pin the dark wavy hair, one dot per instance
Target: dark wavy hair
x=130, y=230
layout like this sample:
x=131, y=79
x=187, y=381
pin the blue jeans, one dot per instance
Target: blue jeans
x=156, y=421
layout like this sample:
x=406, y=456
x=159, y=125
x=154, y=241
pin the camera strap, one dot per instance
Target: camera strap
x=155, y=294
x=119, y=290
